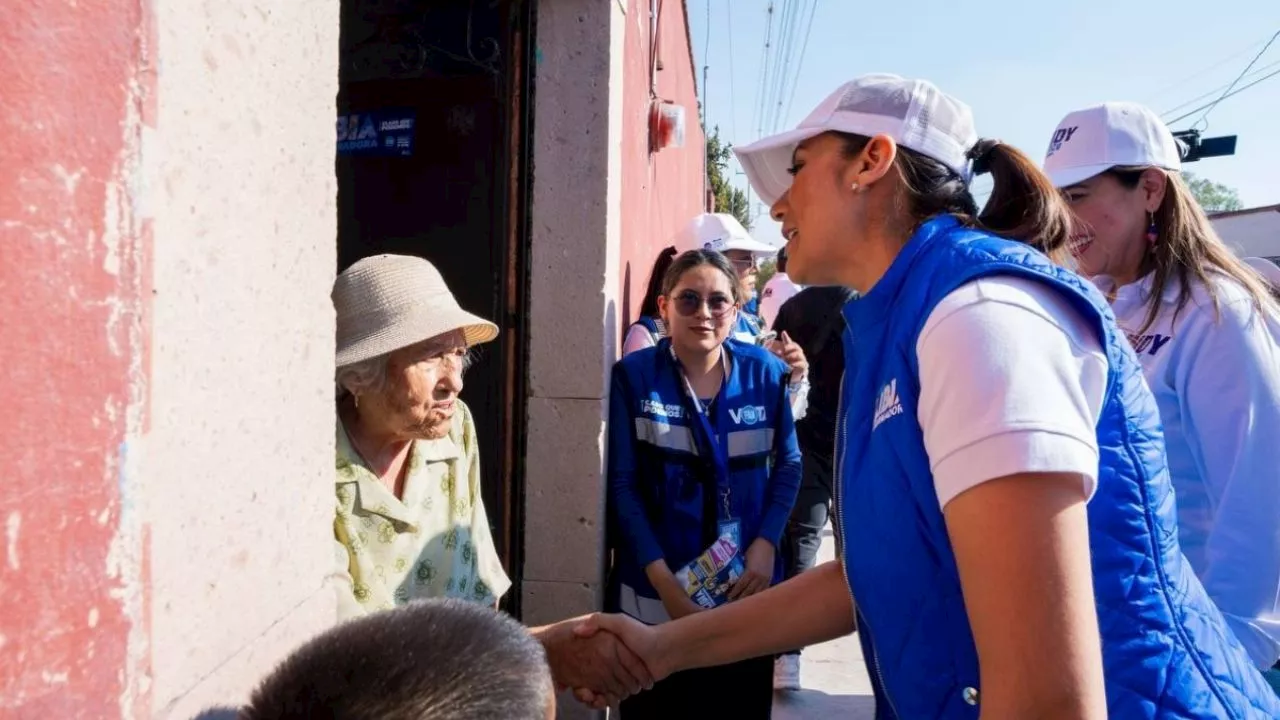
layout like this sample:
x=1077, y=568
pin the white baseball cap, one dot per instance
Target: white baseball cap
x=1114, y=134
x=719, y=232
x=915, y=113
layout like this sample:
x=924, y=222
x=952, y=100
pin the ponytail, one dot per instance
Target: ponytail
x=649, y=306
x=1024, y=204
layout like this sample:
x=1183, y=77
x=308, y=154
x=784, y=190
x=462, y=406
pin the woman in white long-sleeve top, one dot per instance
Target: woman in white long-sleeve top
x=1206, y=329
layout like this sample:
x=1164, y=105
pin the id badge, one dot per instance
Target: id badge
x=733, y=529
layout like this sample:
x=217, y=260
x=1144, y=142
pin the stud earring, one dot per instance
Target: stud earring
x=1153, y=233
x=854, y=187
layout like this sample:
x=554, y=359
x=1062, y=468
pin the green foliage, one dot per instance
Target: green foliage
x=767, y=270
x=1213, y=197
x=728, y=198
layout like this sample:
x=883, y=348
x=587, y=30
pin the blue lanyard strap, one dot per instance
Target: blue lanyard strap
x=711, y=443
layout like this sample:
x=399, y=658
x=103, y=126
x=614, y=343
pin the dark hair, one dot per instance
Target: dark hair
x=1187, y=245
x=781, y=262
x=1024, y=205
x=697, y=258
x=650, y=304
x=439, y=659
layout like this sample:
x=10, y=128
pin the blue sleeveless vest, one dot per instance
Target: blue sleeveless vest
x=1167, y=652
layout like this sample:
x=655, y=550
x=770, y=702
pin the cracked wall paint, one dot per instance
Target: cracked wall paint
x=77, y=91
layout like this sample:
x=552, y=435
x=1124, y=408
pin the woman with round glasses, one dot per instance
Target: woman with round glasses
x=703, y=471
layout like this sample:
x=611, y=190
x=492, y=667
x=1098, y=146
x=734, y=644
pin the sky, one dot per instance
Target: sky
x=1020, y=64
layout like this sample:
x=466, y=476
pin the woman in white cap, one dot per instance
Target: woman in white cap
x=1206, y=329
x=1002, y=493
x=722, y=233
x=410, y=520
x=709, y=231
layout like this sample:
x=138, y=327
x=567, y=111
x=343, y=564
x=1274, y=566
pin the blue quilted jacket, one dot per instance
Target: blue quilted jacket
x=1167, y=652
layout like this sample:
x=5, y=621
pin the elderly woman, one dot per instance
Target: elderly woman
x=410, y=522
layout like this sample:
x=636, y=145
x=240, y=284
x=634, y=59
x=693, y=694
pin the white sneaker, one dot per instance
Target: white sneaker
x=786, y=673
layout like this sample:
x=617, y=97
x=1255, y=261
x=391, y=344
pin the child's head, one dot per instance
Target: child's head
x=437, y=659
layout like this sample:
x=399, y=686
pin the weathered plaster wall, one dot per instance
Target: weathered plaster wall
x=74, y=101
x=663, y=190
x=239, y=460
x=167, y=225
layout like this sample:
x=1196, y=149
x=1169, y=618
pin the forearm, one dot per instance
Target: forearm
x=783, y=489
x=748, y=628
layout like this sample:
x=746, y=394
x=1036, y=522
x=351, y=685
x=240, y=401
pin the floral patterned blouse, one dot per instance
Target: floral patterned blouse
x=435, y=542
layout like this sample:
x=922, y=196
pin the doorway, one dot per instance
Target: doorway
x=433, y=124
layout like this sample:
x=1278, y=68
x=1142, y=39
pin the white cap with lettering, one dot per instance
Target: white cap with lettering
x=1091, y=141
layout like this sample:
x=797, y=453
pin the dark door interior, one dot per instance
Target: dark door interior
x=454, y=194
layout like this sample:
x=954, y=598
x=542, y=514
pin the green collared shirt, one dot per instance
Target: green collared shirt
x=433, y=542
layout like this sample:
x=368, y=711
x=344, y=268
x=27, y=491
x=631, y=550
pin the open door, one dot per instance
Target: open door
x=432, y=161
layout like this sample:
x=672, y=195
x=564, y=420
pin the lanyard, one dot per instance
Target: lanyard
x=710, y=442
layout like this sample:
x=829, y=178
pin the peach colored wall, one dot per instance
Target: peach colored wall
x=660, y=192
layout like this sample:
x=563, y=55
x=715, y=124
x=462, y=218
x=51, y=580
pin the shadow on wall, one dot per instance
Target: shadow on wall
x=626, y=301
x=611, y=330
x=221, y=713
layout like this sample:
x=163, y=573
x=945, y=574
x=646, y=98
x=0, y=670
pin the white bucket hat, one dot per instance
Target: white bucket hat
x=719, y=232
x=915, y=113
x=388, y=302
x=1091, y=141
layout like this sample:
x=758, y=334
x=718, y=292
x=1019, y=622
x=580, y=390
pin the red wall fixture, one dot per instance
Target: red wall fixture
x=666, y=125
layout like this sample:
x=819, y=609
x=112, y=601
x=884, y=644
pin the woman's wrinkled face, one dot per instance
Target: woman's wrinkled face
x=423, y=382
x=745, y=263
x=1111, y=226
x=816, y=211
x=699, y=312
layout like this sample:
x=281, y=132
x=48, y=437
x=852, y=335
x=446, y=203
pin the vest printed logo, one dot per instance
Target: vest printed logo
x=1063, y=135
x=747, y=415
x=1148, y=344
x=888, y=405
x=655, y=408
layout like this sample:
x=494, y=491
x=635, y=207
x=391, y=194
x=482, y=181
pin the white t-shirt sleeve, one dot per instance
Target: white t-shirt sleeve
x=1012, y=380
x=638, y=338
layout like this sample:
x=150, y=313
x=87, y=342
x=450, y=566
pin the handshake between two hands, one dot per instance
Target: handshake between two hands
x=603, y=658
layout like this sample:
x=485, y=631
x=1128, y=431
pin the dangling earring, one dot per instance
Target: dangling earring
x=356, y=399
x=1152, y=233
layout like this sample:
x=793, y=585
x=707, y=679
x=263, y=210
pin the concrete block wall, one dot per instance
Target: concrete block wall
x=239, y=458
x=574, y=259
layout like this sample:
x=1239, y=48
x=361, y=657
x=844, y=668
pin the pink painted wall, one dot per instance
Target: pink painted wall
x=167, y=404
x=660, y=192
x=76, y=87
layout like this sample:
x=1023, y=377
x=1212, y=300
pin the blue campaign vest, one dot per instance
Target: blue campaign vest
x=1167, y=651
x=674, y=473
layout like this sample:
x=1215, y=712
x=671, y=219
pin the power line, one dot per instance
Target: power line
x=1204, y=118
x=782, y=64
x=1260, y=71
x=764, y=71
x=1203, y=71
x=1224, y=97
x=813, y=10
x=706, y=64
x=733, y=105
